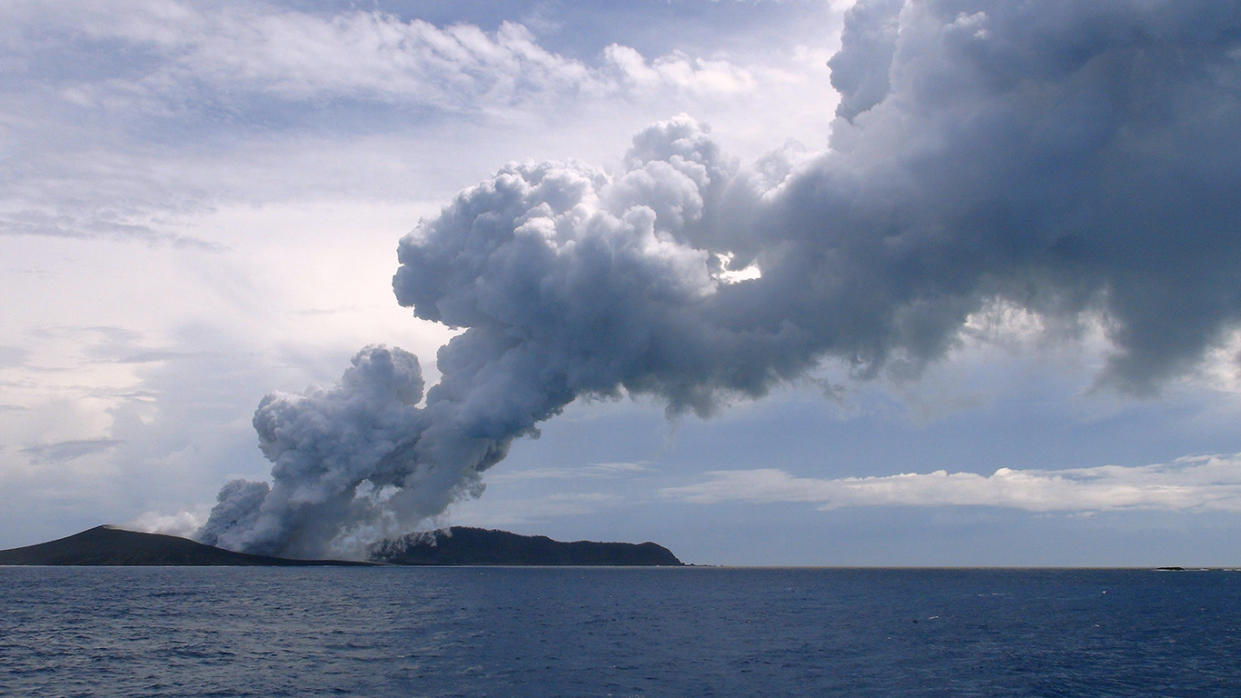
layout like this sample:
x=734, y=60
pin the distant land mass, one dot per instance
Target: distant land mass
x=109, y=545
x=462, y=545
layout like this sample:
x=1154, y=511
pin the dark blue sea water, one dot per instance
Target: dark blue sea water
x=594, y=631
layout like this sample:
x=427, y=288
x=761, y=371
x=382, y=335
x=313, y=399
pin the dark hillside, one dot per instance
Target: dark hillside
x=108, y=545
x=477, y=546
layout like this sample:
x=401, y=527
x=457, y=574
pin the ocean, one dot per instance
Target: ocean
x=396, y=631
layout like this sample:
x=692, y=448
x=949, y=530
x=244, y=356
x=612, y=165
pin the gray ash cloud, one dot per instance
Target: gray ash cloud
x=1070, y=158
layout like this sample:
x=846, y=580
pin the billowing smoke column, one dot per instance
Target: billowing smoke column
x=323, y=445
x=1067, y=157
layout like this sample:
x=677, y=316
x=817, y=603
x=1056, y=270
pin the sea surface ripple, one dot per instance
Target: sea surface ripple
x=241, y=631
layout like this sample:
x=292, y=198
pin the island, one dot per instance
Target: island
x=461, y=545
x=110, y=545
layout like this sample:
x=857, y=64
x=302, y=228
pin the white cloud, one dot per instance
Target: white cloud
x=183, y=523
x=695, y=75
x=1193, y=483
x=118, y=114
x=357, y=54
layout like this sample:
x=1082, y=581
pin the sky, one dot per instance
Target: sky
x=964, y=296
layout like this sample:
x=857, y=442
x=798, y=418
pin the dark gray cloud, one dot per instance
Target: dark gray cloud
x=868, y=42
x=1068, y=158
x=1064, y=156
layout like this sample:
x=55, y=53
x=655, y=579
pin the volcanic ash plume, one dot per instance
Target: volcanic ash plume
x=323, y=445
x=1069, y=158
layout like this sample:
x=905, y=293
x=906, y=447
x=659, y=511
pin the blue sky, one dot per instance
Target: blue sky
x=203, y=203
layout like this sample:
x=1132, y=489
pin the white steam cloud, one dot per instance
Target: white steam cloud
x=1063, y=157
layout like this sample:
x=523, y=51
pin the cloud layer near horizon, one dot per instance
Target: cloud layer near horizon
x=1193, y=483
